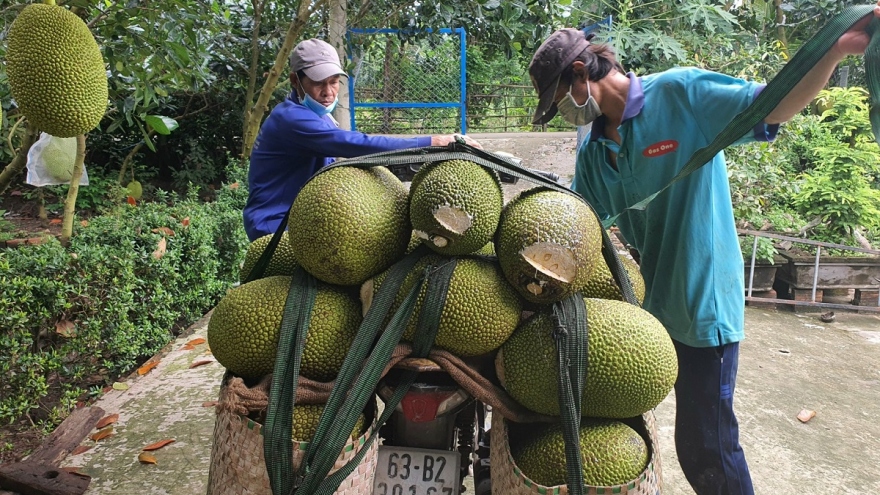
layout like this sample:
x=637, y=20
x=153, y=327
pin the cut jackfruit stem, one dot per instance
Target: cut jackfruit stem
x=453, y=219
x=552, y=260
x=49, y=2
x=535, y=287
x=367, y=289
x=439, y=241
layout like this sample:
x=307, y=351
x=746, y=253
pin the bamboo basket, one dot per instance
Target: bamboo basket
x=507, y=479
x=238, y=465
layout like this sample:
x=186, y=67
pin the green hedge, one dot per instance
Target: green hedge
x=124, y=302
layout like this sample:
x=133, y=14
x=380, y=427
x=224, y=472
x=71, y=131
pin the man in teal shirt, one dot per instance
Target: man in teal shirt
x=644, y=131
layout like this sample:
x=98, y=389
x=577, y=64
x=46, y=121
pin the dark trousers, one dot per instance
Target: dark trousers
x=706, y=431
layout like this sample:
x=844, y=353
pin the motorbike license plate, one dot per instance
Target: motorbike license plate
x=411, y=471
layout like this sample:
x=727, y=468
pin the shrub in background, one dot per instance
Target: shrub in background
x=129, y=280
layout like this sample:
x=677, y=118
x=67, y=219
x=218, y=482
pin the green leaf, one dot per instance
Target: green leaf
x=161, y=124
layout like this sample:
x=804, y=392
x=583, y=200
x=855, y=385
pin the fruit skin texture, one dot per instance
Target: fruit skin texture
x=281, y=263
x=631, y=362
x=348, y=224
x=460, y=184
x=612, y=453
x=306, y=418
x=481, y=310
x=56, y=71
x=544, y=216
x=602, y=285
x=244, y=328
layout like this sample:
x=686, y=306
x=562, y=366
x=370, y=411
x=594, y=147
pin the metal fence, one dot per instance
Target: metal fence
x=403, y=85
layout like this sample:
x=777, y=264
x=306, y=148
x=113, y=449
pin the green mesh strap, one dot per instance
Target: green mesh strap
x=426, y=330
x=570, y=332
x=787, y=78
x=277, y=445
x=321, y=456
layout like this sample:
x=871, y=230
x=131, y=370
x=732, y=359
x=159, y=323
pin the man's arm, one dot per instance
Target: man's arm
x=853, y=42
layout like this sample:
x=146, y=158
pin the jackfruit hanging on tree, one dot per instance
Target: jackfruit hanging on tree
x=56, y=71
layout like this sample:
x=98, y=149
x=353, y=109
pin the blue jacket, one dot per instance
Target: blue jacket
x=690, y=257
x=293, y=144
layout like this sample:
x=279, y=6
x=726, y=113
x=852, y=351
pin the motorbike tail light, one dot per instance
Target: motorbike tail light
x=421, y=407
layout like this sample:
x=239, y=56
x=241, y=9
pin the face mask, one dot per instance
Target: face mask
x=317, y=107
x=579, y=114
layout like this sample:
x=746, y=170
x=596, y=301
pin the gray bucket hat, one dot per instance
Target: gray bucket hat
x=317, y=58
x=554, y=55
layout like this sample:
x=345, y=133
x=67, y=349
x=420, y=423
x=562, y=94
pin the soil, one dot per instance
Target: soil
x=22, y=218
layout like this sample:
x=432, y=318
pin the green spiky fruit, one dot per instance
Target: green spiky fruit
x=602, y=285
x=56, y=71
x=548, y=243
x=612, y=453
x=281, y=263
x=481, y=309
x=455, y=206
x=348, y=224
x=306, y=418
x=244, y=328
x=631, y=362
x=135, y=189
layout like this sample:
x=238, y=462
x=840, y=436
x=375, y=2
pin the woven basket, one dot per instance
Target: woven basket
x=507, y=479
x=238, y=465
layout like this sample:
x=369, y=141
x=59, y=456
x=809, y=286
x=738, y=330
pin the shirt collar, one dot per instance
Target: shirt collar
x=635, y=100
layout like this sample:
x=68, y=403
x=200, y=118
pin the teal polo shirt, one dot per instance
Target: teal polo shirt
x=686, y=237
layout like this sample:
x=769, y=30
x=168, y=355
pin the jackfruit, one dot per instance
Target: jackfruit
x=348, y=224
x=481, y=309
x=602, y=285
x=59, y=156
x=548, y=244
x=455, y=206
x=306, y=418
x=244, y=328
x=135, y=189
x=56, y=71
x=631, y=362
x=612, y=452
x=282, y=261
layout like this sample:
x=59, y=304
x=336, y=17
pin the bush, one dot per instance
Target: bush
x=128, y=281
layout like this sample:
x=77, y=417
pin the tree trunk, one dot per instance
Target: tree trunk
x=255, y=62
x=20, y=161
x=70, y=202
x=252, y=126
x=780, y=28
x=336, y=37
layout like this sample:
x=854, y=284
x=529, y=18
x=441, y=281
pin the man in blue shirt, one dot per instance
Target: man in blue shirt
x=300, y=137
x=644, y=131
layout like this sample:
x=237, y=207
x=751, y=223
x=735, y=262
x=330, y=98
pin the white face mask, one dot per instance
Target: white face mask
x=579, y=114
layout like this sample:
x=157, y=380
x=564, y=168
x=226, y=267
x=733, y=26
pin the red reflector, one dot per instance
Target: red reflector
x=422, y=407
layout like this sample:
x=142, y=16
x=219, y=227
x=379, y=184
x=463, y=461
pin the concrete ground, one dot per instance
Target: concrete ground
x=789, y=362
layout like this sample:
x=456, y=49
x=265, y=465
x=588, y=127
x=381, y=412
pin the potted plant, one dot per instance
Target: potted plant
x=766, y=262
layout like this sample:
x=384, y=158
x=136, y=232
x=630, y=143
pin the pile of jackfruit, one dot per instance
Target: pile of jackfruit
x=349, y=225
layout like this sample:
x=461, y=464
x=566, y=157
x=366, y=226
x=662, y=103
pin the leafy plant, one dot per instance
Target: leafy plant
x=765, y=251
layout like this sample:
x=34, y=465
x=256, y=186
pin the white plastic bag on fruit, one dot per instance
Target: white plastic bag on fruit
x=50, y=161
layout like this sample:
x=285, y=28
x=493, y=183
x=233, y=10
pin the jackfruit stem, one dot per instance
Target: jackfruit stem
x=49, y=2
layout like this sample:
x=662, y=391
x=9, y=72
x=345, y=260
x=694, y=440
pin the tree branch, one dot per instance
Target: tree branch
x=260, y=108
x=20, y=161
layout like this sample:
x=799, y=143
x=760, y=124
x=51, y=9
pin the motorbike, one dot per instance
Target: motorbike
x=437, y=435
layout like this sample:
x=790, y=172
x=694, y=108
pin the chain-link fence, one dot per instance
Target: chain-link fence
x=406, y=85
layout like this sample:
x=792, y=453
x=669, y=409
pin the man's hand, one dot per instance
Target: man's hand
x=452, y=138
x=855, y=41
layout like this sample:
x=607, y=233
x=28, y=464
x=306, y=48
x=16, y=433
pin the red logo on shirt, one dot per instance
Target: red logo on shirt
x=661, y=148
